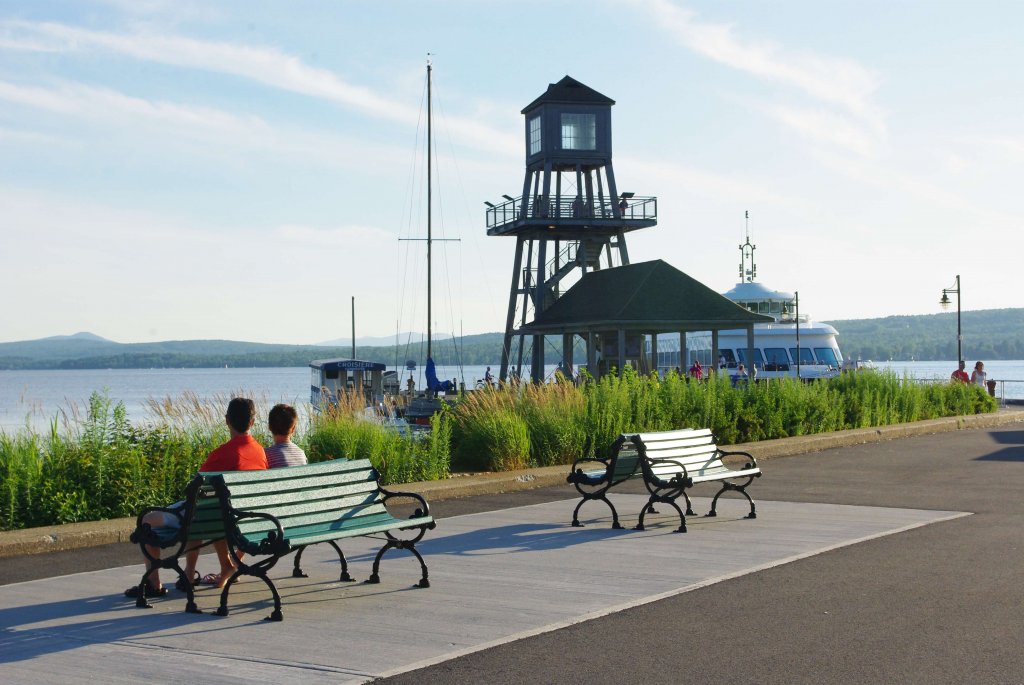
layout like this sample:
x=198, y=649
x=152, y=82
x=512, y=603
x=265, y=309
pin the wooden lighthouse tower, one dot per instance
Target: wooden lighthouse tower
x=571, y=216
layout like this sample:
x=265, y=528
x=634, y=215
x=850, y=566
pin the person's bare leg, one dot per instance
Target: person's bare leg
x=227, y=566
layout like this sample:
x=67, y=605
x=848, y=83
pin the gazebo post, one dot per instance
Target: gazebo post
x=714, y=349
x=752, y=373
x=622, y=350
x=683, y=361
x=592, y=356
x=654, y=352
x=567, y=340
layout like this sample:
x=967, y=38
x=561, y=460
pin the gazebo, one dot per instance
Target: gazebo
x=614, y=309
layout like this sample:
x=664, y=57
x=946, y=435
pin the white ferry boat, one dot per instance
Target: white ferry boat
x=793, y=346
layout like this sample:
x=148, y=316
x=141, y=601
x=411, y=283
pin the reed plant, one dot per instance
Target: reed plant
x=488, y=432
x=344, y=431
x=94, y=463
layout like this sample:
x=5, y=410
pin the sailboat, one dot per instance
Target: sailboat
x=422, y=406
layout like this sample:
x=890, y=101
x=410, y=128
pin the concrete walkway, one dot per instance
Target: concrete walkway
x=496, y=577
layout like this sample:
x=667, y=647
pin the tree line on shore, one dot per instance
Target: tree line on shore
x=988, y=334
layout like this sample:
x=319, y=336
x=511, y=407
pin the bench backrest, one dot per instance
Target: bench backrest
x=625, y=461
x=693, y=448
x=315, y=497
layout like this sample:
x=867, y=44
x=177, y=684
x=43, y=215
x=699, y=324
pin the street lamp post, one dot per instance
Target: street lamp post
x=946, y=292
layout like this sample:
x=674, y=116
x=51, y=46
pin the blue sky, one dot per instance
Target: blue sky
x=241, y=170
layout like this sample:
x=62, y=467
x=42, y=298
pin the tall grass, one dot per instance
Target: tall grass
x=98, y=465
x=564, y=422
x=94, y=464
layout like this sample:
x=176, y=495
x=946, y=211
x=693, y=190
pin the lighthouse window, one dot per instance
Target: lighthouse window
x=579, y=132
x=535, y=135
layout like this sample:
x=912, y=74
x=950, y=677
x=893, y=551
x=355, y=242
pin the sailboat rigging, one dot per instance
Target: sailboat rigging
x=422, y=407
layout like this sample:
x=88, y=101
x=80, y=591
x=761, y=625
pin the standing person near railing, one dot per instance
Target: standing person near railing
x=960, y=374
x=978, y=375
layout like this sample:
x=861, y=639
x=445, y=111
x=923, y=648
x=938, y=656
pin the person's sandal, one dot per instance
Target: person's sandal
x=133, y=591
x=181, y=585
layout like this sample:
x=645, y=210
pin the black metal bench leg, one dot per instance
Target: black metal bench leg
x=345, y=577
x=615, y=514
x=374, y=576
x=730, y=487
x=297, y=571
x=649, y=507
x=689, y=507
x=424, y=579
x=140, y=599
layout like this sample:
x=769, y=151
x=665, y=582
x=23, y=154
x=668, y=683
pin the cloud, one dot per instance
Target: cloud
x=268, y=66
x=842, y=84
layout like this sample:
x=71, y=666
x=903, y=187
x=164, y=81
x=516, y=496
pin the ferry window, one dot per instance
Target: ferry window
x=314, y=379
x=762, y=308
x=777, y=358
x=827, y=356
x=331, y=373
x=730, y=358
x=535, y=135
x=806, y=357
x=776, y=307
x=579, y=132
x=758, y=359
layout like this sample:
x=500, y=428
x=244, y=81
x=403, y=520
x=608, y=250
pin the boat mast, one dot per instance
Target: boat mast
x=429, y=201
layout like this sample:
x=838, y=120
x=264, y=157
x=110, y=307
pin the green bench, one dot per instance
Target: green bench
x=266, y=515
x=593, y=477
x=670, y=462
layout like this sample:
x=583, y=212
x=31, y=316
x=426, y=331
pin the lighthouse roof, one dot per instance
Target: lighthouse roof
x=569, y=91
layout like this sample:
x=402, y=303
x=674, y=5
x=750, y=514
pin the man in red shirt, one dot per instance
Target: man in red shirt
x=960, y=374
x=240, y=453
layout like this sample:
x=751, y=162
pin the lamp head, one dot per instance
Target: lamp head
x=944, y=302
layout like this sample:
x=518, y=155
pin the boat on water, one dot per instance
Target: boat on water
x=794, y=345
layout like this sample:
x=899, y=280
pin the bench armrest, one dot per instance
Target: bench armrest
x=752, y=464
x=424, y=509
x=576, y=473
x=273, y=541
x=682, y=478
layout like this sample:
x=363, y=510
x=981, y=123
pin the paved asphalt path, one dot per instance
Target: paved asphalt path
x=936, y=604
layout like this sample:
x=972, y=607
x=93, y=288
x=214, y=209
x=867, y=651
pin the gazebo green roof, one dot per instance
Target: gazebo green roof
x=651, y=297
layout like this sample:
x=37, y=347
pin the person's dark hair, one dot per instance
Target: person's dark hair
x=282, y=418
x=241, y=414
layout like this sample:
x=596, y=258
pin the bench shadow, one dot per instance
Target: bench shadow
x=510, y=539
x=1007, y=454
x=27, y=633
x=1008, y=437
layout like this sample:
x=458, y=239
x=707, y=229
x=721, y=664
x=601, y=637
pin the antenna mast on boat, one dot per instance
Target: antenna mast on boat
x=748, y=270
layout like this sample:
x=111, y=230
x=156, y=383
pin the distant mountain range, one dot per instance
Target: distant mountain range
x=987, y=334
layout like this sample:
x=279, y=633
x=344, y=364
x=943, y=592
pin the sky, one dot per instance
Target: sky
x=245, y=170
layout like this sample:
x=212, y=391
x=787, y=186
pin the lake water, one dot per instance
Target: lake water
x=35, y=397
